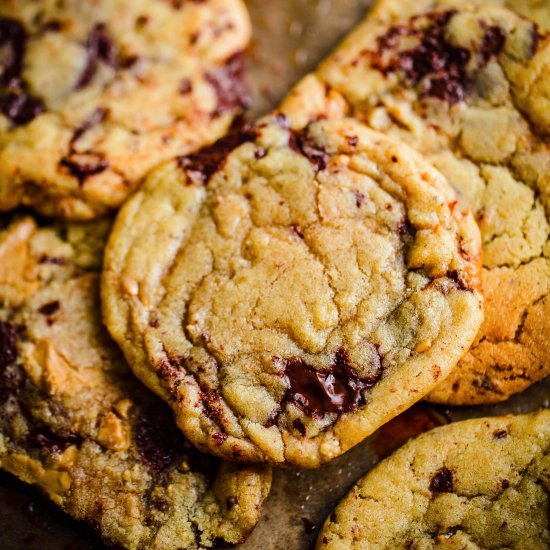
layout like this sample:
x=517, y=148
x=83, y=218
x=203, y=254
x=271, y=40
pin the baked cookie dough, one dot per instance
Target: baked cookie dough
x=478, y=484
x=95, y=93
x=76, y=423
x=467, y=87
x=289, y=292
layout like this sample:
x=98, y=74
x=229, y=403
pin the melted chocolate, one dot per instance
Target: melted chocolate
x=304, y=144
x=97, y=117
x=186, y=86
x=15, y=102
x=492, y=44
x=201, y=166
x=84, y=165
x=317, y=393
x=438, y=64
x=12, y=39
x=57, y=443
x=157, y=440
x=8, y=344
x=500, y=434
x=49, y=309
x=99, y=46
x=458, y=282
x=19, y=106
x=442, y=481
x=230, y=86
x=45, y=259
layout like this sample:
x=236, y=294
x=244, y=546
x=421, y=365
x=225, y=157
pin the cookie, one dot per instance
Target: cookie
x=481, y=483
x=289, y=292
x=94, y=94
x=468, y=88
x=77, y=424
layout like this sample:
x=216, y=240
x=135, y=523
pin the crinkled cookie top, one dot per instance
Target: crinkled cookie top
x=288, y=292
x=467, y=87
x=76, y=423
x=478, y=484
x=93, y=94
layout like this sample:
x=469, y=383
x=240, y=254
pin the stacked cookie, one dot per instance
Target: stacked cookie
x=286, y=290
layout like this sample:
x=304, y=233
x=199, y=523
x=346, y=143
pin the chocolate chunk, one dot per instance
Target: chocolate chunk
x=338, y=390
x=15, y=102
x=273, y=418
x=219, y=437
x=185, y=86
x=304, y=144
x=8, y=344
x=500, y=434
x=359, y=198
x=201, y=166
x=457, y=280
x=298, y=425
x=19, y=106
x=13, y=38
x=49, y=309
x=57, y=443
x=45, y=259
x=439, y=65
x=11, y=383
x=97, y=117
x=230, y=86
x=157, y=440
x=492, y=44
x=84, y=165
x=212, y=406
x=442, y=481
x=99, y=46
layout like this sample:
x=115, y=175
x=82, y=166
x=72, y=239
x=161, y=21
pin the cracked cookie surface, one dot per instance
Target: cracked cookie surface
x=468, y=88
x=76, y=423
x=93, y=94
x=289, y=292
x=478, y=484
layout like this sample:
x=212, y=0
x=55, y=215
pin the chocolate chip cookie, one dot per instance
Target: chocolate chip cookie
x=76, y=423
x=93, y=94
x=482, y=483
x=289, y=292
x=467, y=87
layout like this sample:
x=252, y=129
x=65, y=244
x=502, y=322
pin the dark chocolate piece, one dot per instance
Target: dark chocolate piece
x=157, y=440
x=8, y=344
x=57, y=443
x=442, y=481
x=304, y=144
x=97, y=117
x=49, y=309
x=201, y=166
x=84, y=165
x=99, y=46
x=440, y=66
x=19, y=106
x=12, y=41
x=338, y=390
x=230, y=85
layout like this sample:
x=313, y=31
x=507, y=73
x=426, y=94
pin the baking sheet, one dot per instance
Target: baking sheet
x=291, y=37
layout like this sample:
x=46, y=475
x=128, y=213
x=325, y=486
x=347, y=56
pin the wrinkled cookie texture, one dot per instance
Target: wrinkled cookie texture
x=478, y=484
x=289, y=292
x=467, y=87
x=95, y=93
x=76, y=423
